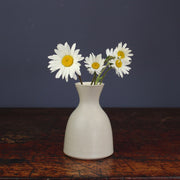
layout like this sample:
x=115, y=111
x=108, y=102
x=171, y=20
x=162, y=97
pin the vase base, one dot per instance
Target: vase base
x=89, y=158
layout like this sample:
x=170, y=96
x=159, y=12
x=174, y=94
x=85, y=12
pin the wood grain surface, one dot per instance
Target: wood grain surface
x=146, y=142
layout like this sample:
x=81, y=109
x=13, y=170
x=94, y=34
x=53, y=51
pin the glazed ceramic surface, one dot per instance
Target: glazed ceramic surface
x=88, y=132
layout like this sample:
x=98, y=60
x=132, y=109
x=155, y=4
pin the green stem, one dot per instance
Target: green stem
x=108, y=59
x=105, y=74
x=80, y=79
x=99, y=76
x=94, y=78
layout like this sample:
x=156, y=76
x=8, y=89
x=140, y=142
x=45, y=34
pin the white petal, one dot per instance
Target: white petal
x=107, y=52
x=99, y=56
x=67, y=48
x=130, y=54
x=124, y=45
x=71, y=74
x=78, y=71
x=58, y=74
x=91, y=71
x=121, y=74
x=74, y=76
x=53, y=57
x=86, y=59
x=128, y=68
x=120, y=45
x=93, y=56
x=60, y=47
x=66, y=76
x=80, y=58
x=87, y=65
x=73, y=47
x=63, y=73
x=76, y=51
x=66, y=44
x=58, y=52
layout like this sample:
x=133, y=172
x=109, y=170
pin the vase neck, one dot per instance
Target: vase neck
x=89, y=94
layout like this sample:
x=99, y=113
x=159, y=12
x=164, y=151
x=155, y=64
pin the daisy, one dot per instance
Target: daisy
x=66, y=61
x=120, y=66
x=123, y=52
x=94, y=63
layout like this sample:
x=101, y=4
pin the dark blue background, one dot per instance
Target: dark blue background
x=31, y=29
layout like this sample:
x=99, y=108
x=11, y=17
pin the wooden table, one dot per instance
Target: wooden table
x=146, y=142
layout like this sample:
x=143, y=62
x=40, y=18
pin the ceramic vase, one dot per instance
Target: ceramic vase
x=88, y=132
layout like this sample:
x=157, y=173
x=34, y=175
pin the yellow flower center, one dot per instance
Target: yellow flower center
x=118, y=63
x=121, y=54
x=95, y=65
x=67, y=60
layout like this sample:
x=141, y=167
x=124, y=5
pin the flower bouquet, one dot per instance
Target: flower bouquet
x=88, y=132
x=67, y=60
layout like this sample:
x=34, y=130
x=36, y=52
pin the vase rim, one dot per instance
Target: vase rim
x=88, y=84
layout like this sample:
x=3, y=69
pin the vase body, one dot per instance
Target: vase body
x=88, y=132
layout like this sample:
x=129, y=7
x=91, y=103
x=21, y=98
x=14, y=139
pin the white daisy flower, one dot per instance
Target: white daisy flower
x=120, y=66
x=94, y=63
x=123, y=52
x=66, y=61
